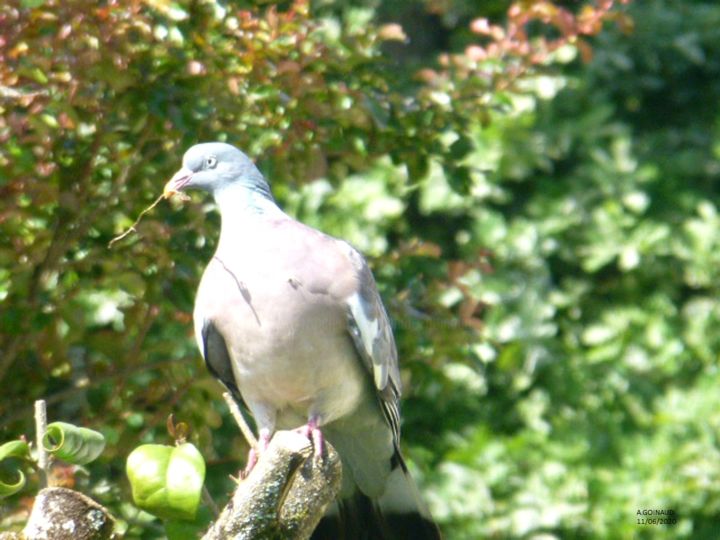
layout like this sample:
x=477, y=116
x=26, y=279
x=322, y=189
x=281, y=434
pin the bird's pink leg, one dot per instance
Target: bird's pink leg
x=313, y=433
x=254, y=453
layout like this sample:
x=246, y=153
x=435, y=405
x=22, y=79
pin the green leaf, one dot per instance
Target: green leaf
x=459, y=180
x=167, y=480
x=6, y=490
x=461, y=147
x=17, y=449
x=13, y=449
x=73, y=444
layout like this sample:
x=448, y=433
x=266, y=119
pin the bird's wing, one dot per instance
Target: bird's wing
x=369, y=326
x=217, y=359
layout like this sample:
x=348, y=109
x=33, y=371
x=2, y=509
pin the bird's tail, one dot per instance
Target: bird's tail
x=399, y=514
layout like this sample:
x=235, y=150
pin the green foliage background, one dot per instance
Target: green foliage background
x=548, y=251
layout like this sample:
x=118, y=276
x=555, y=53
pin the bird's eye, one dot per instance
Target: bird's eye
x=210, y=162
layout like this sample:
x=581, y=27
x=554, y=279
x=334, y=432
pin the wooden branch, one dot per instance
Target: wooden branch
x=61, y=513
x=284, y=496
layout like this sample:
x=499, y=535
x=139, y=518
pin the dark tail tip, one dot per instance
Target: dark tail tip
x=412, y=526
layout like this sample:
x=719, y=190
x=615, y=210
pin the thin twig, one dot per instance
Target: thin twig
x=240, y=420
x=136, y=222
x=40, y=429
x=210, y=501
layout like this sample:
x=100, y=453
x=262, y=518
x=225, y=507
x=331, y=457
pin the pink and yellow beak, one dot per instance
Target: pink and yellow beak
x=179, y=180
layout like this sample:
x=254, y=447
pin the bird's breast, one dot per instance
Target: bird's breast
x=288, y=342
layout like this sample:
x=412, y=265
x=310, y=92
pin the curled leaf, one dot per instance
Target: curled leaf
x=178, y=431
x=13, y=449
x=77, y=445
x=167, y=480
x=10, y=489
x=17, y=449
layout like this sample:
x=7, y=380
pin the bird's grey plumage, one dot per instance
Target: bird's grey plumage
x=290, y=320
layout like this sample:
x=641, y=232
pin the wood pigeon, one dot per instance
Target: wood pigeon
x=291, y=322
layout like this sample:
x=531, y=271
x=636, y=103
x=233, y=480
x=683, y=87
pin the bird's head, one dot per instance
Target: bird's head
x=213, y=167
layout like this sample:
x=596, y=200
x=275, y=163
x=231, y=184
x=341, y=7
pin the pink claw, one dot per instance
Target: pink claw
x=312, y=432
x=254, y=453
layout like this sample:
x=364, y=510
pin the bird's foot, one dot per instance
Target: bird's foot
x=313, y=433
x=255, y=452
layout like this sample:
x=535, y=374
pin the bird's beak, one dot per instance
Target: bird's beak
x=179, y=180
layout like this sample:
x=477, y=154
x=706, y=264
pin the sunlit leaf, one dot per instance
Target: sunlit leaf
x=73, y=444
x=167, y=480
x=13, y=449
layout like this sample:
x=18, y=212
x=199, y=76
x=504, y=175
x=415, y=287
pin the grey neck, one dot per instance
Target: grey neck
x=242, y=206
x=245, y=199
